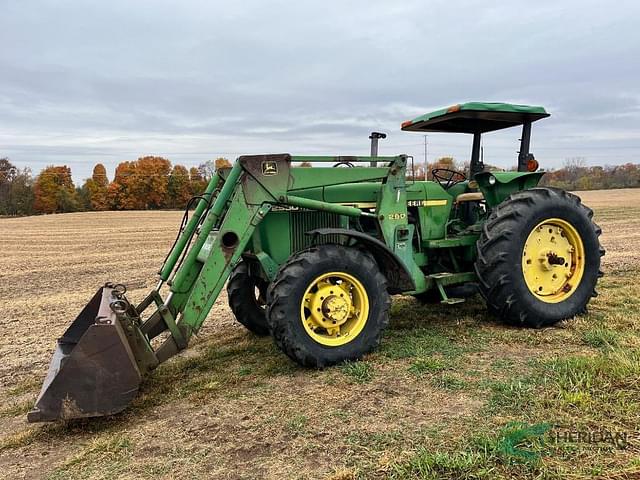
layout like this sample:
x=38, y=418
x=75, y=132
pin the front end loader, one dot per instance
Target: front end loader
x=312, y=255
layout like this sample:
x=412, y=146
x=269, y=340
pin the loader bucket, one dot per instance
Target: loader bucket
x=94, y=370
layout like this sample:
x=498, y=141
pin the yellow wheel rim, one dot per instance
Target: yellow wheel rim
x=334, y=308
x=553, y=260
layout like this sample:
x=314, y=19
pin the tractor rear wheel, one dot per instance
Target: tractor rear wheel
x=539, y=257
x=247, y=299
x=327, y=305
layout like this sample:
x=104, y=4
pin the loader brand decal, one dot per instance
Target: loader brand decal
x=285, y=208
x=426, y=203
x=269, y=168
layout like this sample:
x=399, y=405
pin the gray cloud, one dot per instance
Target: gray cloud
x=82, y=82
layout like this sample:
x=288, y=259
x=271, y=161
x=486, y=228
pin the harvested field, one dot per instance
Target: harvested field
x=451, y=393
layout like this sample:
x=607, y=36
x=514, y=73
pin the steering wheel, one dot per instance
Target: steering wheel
x=447, y=178
x=344, y=163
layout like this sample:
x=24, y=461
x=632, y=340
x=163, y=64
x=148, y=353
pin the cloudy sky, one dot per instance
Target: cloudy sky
x=84, y=82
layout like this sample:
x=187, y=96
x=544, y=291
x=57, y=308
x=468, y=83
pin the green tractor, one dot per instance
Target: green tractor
x=312, y=256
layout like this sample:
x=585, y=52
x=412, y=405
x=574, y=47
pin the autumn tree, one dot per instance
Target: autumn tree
x=178, y=188
x=153, y=177
x=16, y=189
x=197, y=182
x=121, y=191
x=95, y=189
x=222, y=162
x=54, y=191
x=140, y=185
x=305, y=164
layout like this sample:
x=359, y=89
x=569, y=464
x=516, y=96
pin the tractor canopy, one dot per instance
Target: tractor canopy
x=475, y=117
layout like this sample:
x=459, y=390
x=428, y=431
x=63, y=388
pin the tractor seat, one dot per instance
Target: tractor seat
x=469, y=197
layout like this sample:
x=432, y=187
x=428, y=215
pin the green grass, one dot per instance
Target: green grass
x=601, y=338
x=103, y=458
x=27, y=385
x=502, y=364
x=16, y=409
x=358, y=372
x=18, y=439
x=511, y=395
x=420, y=342
x=449, y=382
x=296, y=425
x=512, y=452
x=597, y=388
x=426, y=365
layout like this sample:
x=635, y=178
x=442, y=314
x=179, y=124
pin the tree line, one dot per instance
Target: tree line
x=147, y=183
x=154, y=183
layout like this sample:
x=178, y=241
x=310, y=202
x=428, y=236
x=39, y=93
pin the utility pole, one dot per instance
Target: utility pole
x=426, y=164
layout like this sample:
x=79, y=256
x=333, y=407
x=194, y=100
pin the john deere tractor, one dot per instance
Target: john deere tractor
x=312, y=256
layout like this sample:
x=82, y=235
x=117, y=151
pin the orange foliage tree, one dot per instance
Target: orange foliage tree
x=121, y=192
x=222, y=162
x=97, y=188
x=140, y=185
x=54, y=191
x=178, y=188
x=152, y=181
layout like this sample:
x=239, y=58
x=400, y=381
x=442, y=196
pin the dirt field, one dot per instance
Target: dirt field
x=444, y=397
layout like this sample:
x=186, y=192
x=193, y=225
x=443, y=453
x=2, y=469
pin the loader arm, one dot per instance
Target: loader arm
x=251, y=188
x=101, y=360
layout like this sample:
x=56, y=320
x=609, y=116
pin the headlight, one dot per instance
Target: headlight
x=492, y=180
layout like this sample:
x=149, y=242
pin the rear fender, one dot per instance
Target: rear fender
x=505, y=184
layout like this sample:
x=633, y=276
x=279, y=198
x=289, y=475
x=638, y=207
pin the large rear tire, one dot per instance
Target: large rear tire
x=539, y=258
x=247, y=299
x=327, y=305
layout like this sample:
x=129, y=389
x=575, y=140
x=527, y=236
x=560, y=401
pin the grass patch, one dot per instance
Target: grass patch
x=16, y=409
x=358, y=372
x=514, y=451
x=221, y=369
x=420, y=342
x=601, y=338
x=18, y=439
x=511, y=395
x=297, y=424
x=500, y=364
x=105, y=457
x=375, y=441
x=25, y=386
x=449, y=382
x=422, y=366
x=426, y=464
x=600, y=388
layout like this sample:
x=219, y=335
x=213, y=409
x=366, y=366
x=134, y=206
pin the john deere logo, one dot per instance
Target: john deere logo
x=269, y=168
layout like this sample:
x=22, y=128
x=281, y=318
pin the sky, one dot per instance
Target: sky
x=83, y=82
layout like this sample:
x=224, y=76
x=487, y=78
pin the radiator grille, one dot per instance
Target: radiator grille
x=306, y=220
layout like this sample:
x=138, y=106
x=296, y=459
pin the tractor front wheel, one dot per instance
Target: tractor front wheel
x=328, y=304
x=247, y=299
x=539, y=257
